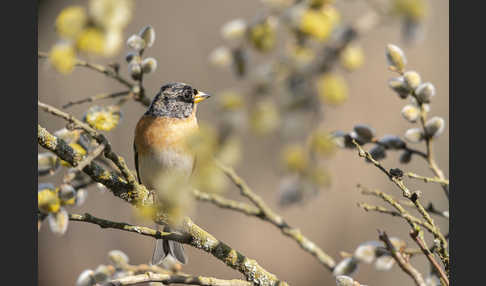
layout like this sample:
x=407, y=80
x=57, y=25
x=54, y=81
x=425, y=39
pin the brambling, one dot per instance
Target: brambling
x=160, y=148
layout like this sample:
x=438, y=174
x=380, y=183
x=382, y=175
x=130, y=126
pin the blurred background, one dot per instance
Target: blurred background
x=186, y=32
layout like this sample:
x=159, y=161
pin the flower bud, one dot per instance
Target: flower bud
x=294, y=157
x=234, y=30
x=149, y=65
x=352, y=57
x=102, y=118
x=101, y=188
x=102, y=273
x=343, y=280
x=265, y=117
x=412, y=79
x=399, y=86
x=366, y=252
x=395, y=57
x=86, y=278
x=136, y=43
x=47, y=164
x=135, y=70
x=58, y=222
x=133, y=57
x=406, y=157
x=68, y=135
x=81, y=195
x=342, y=139
x=322, y=143
x=364, y=132
x=262, y=36
x=221, y=57
x=332, y=89
x=66, y=192
x=410, y=112
x=347, y=266
x=48, y=201
x=62, y=57
x=378, y=152
x=392, y=142
x=414, y=135
x=397, y=242
x=147, y=33
x=118, y=258
x=42, y=186
x=290, y=191
x=434, y=126
x=240, y=59
x=424, y=92
x=171, y=264
x=71, y=21
x=384, y=262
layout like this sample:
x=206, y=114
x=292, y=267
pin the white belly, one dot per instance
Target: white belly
x=156, y=169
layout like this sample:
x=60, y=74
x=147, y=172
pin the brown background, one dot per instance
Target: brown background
x=187, y=31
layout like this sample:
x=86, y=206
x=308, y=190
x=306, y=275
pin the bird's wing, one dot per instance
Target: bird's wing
x=136, y=163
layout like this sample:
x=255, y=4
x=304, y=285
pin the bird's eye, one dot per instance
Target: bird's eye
x=195, y=91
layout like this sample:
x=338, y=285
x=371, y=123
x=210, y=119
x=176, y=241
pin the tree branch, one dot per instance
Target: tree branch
x=414, y=234
x=402, y=262
x=117, y=184
x=135, y=88
x=96, y=97
x=175, y=279
x=396, y=178
x=430, y=154
x=199, y=238
x=142, y=230
x=267, y=214
x=427, y=179
x=100, y=138
x=227, y=203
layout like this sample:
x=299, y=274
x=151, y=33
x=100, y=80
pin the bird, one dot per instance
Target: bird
x=160, y=148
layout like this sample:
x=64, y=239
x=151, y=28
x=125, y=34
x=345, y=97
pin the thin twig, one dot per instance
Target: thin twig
x=267, y=214
x=117, y=184
x=415, y=236
x=100, y=138
x=96, y=97
x=408, y=217
x=428, y=179
x=430, y=154
x=96, y=67
x=405, y=148
x=146, y=231
x=227, y=203
x=135, y=88
x=396, y=178
x=414, y=222
x=402, y=262
x=87, y=160
x=431, y=209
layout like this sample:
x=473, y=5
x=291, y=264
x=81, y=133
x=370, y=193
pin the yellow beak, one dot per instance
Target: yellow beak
x=201, y=96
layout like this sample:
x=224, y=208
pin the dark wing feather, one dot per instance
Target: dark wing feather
x=136, y=163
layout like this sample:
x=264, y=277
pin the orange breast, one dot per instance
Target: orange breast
x=154, y=134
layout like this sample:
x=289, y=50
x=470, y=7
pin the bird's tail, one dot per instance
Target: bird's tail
x=164, y=247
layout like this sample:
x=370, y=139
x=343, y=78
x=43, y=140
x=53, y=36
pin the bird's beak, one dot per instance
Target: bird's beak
x=201, y=96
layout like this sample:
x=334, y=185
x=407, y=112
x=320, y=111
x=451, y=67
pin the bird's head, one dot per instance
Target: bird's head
x=176, y=100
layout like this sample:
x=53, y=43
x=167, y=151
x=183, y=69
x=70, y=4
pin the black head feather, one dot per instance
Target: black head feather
x=173, y=100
